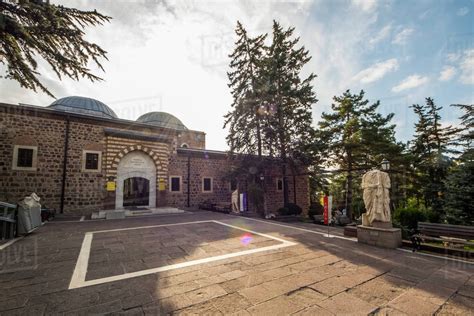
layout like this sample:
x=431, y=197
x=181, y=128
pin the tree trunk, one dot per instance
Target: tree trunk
x=285, y=185
x=259, y=138
x=349, y=185
x=281, y=134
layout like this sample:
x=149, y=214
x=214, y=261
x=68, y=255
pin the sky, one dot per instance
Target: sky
x=172, y=56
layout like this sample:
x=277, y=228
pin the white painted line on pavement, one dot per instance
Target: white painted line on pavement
x=435, y=256
x=355, y=240
x=303, y=229
x=11, y=242
x=151, y=226
x=80, y=270
x=78, y=279
x=120, y=219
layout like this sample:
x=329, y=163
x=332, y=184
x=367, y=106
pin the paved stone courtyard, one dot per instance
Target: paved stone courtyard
x=316, y=276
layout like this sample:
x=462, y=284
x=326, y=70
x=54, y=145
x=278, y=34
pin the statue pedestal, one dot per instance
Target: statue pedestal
x=386, y=237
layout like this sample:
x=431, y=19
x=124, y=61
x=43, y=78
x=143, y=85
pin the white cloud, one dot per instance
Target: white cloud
x=402, y=37
x=453, y=57
x=173, y=56
x=447, y=73
x=365, y=5
x=381, y=35
x=376, y=71
x=410, y=82
x=463, y=11
x=466, y=65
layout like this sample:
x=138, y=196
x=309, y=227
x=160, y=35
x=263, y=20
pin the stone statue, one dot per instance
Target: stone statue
x=376, y=185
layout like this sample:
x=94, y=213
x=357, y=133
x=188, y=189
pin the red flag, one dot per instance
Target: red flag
x=326, y=210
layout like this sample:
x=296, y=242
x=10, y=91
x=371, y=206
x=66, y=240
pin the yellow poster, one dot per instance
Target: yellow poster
x=162, y=185
x=110, y=185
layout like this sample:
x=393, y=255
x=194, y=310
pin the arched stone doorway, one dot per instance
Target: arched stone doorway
x=136, y=181
x=136, y=192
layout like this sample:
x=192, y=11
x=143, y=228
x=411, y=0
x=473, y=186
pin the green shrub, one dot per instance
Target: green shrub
x=409, y=217
x=290, y=209
x=283, y=211
x=315, y=209
x=294, y=209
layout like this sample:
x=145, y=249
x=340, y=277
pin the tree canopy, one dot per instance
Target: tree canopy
x=245, y=80
x=357, y=138
x=32, y=29
x=272, y=102
x=430, y=148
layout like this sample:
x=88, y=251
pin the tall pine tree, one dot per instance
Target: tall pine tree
x=459, y=204
x=430, y=148
x=466, y=133
x=245, y=118
x=290, y=98
x=357, y=138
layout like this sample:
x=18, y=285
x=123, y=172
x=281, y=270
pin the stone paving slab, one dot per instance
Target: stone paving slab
x=317, y=276
x=119, y=252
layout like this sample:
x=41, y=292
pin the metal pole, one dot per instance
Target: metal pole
x=63, y=184
x=189, y=180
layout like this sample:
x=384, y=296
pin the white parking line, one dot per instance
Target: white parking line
x=78, y=279
x=303, y=229
x=9, y=243
x=435, y=256
x=355, y=240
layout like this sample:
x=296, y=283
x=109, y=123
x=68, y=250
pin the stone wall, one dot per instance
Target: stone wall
x=297, y=183
x=192, y=139
x=216, y=167
x=200, y=167
x=48, y=135
x=85, y=191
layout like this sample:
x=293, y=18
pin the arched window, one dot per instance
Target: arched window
x=184, y=145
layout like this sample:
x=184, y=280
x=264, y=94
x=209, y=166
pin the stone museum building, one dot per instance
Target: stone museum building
x=79, y=157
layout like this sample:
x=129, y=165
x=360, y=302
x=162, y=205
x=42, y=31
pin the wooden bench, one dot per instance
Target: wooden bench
x=223, y=207
x=207, y=205
x=445, y=233
x=8, y=220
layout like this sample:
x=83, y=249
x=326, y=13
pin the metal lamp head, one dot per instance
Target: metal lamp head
x=385, y=165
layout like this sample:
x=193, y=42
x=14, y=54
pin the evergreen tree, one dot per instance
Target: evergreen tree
x=460, y=182
x=466, y=133
x=290, y=98
x=31, y=29
x=459, y=205
x=245, y=118
x=430, y=148
x=357, y=139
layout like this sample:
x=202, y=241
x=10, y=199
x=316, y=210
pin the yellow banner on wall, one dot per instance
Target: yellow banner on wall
x=110, y=185
x=162, y=185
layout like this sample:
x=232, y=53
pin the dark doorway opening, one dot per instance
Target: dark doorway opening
x=136, y=192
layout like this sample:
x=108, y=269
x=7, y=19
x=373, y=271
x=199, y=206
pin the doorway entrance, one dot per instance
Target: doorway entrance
x=136, y=192
x=136, y=181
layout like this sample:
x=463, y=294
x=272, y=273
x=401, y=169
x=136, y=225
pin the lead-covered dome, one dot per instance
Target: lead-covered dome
x=83, y=105
x=162, y=119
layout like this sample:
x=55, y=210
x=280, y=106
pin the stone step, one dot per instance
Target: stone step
x=115, y=215
x=110, y=214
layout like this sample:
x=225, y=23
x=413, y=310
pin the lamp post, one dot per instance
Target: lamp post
x=385, y=165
